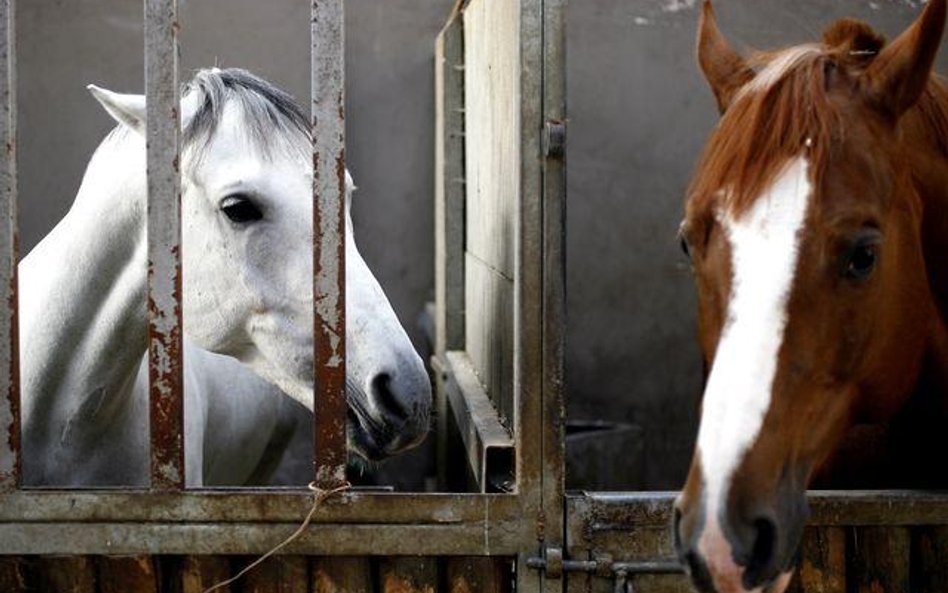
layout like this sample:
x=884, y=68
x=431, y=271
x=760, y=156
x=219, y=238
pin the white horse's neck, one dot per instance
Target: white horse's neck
x=83, y=318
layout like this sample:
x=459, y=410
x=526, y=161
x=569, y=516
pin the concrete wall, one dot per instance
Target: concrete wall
x=639, y=113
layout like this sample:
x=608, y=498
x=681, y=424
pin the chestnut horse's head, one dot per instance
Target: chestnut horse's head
x=803, y=227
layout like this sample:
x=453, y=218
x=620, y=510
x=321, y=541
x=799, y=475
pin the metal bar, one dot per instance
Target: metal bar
x=329, y=226
x=449, y=198
x=164, y=245
x=260, y=506
x=490, y=448
x=500, y=539
x=625, y=511
x=9, y=341
x=449, y=186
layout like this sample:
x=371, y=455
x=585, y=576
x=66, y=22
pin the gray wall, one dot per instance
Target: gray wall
x=639, y=113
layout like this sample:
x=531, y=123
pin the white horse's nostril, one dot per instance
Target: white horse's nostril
x=385, y=400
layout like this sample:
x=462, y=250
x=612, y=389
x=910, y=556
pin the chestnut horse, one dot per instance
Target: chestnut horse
x=817, y=227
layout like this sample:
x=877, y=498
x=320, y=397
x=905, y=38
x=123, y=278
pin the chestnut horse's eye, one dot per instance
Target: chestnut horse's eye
x=860, y=259
x=240, y=209
x=683, y=243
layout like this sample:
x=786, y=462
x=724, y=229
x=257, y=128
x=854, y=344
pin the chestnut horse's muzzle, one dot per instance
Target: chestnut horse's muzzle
x=750, y=543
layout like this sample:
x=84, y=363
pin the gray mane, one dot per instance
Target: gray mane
x=271, y=114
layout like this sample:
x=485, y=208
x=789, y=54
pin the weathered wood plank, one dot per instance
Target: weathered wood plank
x=930, y=560
x=13, y=574
x=408, y=574
x=879, y=560
x=65, y=574
x=126, y=574
x=823, y=560
x=199, y=573
x=478, y=574
x=277, y=574
x=341, y=574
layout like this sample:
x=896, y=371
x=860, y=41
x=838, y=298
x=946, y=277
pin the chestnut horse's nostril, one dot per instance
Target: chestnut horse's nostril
x=385, y=400
x=761, y=562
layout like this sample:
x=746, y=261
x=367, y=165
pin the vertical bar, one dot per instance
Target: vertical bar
x=449, y=219
x=329, y=227
x=164, y=245
x=9, y=341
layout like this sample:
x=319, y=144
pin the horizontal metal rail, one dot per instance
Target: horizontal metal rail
x=215, y=522
x=623, y=511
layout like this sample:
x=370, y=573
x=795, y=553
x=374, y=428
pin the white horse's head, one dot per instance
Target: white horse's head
x=248, y=257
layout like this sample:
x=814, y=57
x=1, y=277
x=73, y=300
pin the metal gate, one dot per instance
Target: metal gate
x=168, y=537
x=499, y=264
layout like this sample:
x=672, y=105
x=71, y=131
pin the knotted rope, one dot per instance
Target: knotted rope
x=319, y=497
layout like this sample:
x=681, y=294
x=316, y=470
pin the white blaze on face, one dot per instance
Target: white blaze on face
x=764, y=244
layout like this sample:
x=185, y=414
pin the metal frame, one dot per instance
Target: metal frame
x=169, y=519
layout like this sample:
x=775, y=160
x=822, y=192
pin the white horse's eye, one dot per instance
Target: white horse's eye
x=240, y=209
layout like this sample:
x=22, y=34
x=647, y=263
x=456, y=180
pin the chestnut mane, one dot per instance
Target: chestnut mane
x=786, y=109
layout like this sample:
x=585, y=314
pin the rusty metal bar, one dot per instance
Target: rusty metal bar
x=502, y=539
x=240, y=505
x=164, y=245
x=624, y=511
x=9, y=341
x=329, y=227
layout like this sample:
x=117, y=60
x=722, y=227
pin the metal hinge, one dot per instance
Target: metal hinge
x=554, y=566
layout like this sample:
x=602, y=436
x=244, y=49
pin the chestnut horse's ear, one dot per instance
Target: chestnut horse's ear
x=724, y=68
x=897, y=77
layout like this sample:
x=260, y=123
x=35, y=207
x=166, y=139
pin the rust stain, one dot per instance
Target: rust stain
x=541, y=524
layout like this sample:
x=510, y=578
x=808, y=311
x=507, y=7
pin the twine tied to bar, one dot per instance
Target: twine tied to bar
x=319, y=497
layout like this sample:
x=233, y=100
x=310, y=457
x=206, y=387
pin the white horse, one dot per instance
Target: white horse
x=248, y=269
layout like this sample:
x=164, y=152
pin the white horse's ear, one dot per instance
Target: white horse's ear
x=128, y=110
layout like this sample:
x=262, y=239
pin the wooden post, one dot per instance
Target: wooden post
x=408, y=575
x=823, y=560
x=930, y=559
x=879, y=560
x=66, y=574
x=12, y=575
x=336, y=574
x=199, y=573
x=475, y=574
x=122, y=574
x=277, y=574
